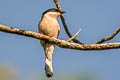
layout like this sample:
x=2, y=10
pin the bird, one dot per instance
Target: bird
x=49, y=26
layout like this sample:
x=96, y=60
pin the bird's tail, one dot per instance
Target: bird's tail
x=49, y=48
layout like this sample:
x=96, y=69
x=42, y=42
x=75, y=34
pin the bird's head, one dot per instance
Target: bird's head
x=54, y=13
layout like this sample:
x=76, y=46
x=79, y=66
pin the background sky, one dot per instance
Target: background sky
x=96, y=18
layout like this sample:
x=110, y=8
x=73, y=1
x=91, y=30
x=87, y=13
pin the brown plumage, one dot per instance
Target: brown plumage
x=49, y=26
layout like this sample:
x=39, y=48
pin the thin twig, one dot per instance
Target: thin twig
x=74, y=36
x=109, y=37
x=64, y=23
x=60, y=43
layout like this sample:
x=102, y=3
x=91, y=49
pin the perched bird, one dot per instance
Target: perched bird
x=49, y=26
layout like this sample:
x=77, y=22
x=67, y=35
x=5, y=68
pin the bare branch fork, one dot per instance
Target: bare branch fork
x=73, y=38
x=64, y=23
x=60, y=43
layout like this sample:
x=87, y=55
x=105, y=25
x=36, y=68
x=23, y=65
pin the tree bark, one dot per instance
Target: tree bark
x=60, y=43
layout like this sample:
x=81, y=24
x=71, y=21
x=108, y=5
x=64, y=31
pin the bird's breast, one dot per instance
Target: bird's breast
x=49, y=27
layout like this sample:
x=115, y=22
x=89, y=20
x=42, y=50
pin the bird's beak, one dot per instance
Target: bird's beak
x=63, y=12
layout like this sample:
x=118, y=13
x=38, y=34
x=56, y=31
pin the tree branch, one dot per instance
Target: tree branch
x=60, y=43
x=109, y=37
x=64, y=23
x=74, y=36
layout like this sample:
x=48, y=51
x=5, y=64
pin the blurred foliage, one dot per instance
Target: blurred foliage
x=68, y=77
x=6, y=73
